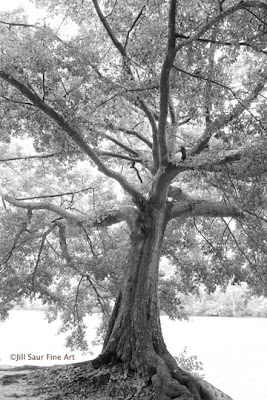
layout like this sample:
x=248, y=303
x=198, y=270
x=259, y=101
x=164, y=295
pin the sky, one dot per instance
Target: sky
x=64, y=28
x=32, y=12
x=8, y=5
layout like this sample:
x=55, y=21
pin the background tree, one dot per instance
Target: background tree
x=167, y=99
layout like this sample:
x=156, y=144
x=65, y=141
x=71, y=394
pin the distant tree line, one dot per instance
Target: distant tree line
x=235, y=301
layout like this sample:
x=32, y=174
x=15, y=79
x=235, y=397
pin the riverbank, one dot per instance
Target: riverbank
x=233, y=350
x=14, y=383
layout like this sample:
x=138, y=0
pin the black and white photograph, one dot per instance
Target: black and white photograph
x=133, y=200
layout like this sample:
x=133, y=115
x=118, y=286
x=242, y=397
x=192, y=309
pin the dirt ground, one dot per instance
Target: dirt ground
x=13, y=384
x=70, y=382
x=80, y=382
x=54, y=383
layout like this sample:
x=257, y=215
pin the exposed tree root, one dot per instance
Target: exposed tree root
x=162, y=379
x=160, y=375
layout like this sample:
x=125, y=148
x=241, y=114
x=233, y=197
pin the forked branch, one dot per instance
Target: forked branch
x=224, y=120
x=242, y=5
x=141, y=103
x=131, y=132
x=70, y=131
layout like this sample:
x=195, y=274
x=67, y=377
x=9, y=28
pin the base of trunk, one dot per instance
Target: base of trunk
x=134, y=343
x=162, y=380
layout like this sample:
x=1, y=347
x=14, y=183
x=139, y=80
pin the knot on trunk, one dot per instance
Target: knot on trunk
x=142, y=225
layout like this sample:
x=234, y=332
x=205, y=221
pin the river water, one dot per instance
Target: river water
x=233, y=350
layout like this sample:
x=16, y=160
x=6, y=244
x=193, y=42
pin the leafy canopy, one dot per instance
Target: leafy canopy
x=123, y=93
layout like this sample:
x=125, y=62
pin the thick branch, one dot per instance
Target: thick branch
x=186, y=205
x=161, y=189
x=172, y=113
x=164, y=85
x=109, y=218
x=72, y=132
x=155, y=146
x=106, y=25
x=212, y=161
x=204, y=208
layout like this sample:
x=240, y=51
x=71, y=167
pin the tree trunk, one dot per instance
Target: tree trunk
x=134, y=336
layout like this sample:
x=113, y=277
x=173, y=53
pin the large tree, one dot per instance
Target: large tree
x=167, y=99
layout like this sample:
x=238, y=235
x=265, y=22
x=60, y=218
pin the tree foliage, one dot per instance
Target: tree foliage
x=168, y=100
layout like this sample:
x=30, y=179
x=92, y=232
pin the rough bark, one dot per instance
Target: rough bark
x=134, y=336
